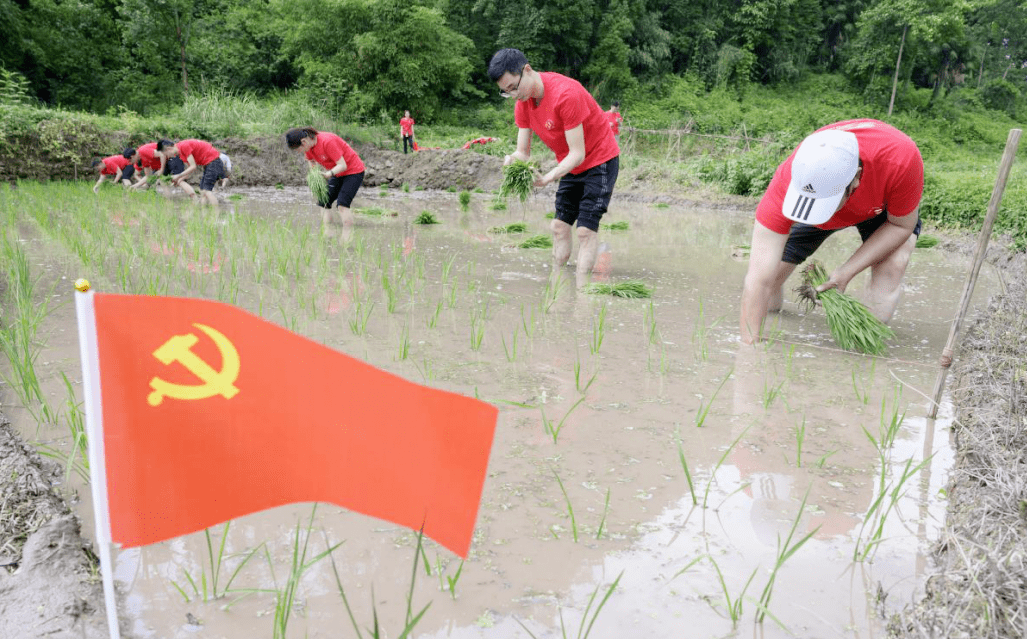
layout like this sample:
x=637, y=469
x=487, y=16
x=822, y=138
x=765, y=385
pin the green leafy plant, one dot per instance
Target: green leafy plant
x=926, y=241
x=318, y=185
x=632, y=289
x=465, y=200
x=513, y=227
x=620, y=225
x=426, y=217
x=518, y=179
x=537, y=241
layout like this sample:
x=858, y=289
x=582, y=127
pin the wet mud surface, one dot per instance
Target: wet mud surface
x=775, y=439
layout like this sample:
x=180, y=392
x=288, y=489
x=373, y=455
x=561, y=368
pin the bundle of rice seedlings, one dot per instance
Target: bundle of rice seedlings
x=512, y=227
x=616, y=226
x=537, y=241
x=632, y=289
x=518, y=179
x=550, y=215
x=852, y=325
x=498, y=204
x=926, y=241
x=371, y=211
x=318, y=185
x=153, y=178
x=426, y=217
x=465, y=200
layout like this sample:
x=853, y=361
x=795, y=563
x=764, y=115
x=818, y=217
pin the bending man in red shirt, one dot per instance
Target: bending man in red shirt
x=195, y=153
x=861, y=173
x=344, y=169
x=115, y=165
x=406, y=130
x=569, y=121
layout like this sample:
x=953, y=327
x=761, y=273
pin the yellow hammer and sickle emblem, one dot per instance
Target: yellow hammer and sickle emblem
x=214, y=382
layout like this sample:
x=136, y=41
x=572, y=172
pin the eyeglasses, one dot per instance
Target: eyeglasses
x=513, y=93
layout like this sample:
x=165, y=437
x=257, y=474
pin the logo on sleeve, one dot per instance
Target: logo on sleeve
x=549, y=125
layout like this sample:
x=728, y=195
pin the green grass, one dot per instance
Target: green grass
x=632, y=289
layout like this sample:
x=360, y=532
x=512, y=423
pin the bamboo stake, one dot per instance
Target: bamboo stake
x=971, y=278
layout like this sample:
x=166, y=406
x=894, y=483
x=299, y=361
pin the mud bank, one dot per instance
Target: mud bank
x=979, y=585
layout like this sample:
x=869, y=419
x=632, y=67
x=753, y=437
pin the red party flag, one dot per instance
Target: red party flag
x=211, y=413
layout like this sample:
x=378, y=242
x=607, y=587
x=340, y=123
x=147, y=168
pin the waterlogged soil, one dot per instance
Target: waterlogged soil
x=683, y=463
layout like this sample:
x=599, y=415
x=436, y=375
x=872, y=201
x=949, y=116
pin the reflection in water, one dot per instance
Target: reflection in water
x=458, y=308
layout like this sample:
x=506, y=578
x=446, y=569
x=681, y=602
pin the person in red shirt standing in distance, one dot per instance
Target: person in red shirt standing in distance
x=861, y=173
x=614, y=117
x=194, y=154
x=344, y=169
x=570, y=122
x=115, y=165
x=406, y=130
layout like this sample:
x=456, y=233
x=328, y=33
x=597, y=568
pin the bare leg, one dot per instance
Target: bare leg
x=208, y=198
x=886, y=281
x=588, y=246
x=561, y=242
x=346, y=216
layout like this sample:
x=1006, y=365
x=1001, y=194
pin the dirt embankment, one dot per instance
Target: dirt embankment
x=258, y=161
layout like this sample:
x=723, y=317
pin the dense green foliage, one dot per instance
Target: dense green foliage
x=370, y=59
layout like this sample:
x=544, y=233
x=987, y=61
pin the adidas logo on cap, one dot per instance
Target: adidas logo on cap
x=809, y=189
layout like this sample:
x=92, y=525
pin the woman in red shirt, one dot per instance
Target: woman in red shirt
x=344, y=169
x=115, y=165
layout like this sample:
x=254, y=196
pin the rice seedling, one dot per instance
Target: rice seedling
x=518, y=179
x=371, y=211
x=704, y=407
x=701, y=332
x=553, y=430
x=598, y=330
x=406, y=187
x=465, y=200
x=318, y=185
x=720, y=462
x=661, y=205
x=433, y=319
x=887, y=498
x=216, y=561
x=684, y=467
x=632, y=289
x=376, y=631
x=570, y=508
x=606, y=510
x=577, y=378
x=583, y=630
x=771, y=392
x=498, y=204
x=800, y=438
x=733, y=606
x=619, y=225
x=537, y=241
x=426, y=217
x=513, y=227
x=477, y=328
x=926, y=241
x=550, y=215
x=511, y=350
x=852, y=325
x=426, y=369
x=785, y=550
x=650, y=323
x=451, y=581
x=362, y=313
x=299, y=565
x=404, y=344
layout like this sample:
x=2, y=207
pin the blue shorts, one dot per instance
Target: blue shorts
x=343, y=189
x=804, y=240
x=584, y=198
x=211, y=174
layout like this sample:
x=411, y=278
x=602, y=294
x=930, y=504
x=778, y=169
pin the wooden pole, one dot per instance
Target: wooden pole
x=971, y=278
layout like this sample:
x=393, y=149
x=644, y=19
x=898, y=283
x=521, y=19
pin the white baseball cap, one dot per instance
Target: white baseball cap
x=822, y=169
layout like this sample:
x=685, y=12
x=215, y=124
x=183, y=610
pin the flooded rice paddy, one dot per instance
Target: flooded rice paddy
x=637, y=439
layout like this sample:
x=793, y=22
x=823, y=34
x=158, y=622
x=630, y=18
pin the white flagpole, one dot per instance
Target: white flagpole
x=89, y=353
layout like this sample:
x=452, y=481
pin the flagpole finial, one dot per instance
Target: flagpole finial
x=81, y=285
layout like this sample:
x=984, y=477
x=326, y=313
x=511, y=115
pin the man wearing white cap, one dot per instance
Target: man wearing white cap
x=861, y=173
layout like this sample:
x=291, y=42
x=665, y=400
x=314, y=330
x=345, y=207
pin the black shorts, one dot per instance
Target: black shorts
x=211, y=174
x=343, y=189
x=804, y=240
x=174, y=166
x=128, y=172
x=584, y=198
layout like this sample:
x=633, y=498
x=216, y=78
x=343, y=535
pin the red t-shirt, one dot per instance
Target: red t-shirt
x=615, y=118
x=566, y=104
x=892, y=180
x=203, y=152
x=112, y=163
x=329, y=148
x=407, y=125
x=146, y=159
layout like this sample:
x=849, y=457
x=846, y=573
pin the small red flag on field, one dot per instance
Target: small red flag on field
x=211, y=413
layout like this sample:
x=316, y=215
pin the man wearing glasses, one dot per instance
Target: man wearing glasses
x=570, y=122
x=861, y=173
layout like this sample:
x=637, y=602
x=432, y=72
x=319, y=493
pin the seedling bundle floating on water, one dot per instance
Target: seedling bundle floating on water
x=616, y=226
x=852, y=325
x=926, y=241
x=513, y=227
x=318, y=185
x=632, y=289
x=426, y=217
x=518, y=179
x=537, y=241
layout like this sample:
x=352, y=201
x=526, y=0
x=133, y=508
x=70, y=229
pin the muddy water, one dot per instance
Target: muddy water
x=774, y=438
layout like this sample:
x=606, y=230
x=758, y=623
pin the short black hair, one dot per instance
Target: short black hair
x=163, y=144
x=128, y=153
x=95, y=162
x=294, y=136
x=506, y=61
x=615, y=103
